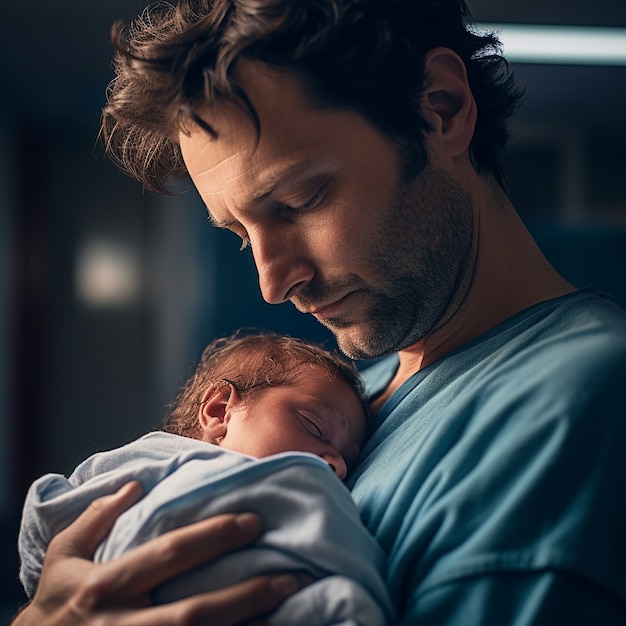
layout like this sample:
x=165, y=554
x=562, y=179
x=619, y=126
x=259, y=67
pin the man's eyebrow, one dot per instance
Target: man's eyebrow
x=256, y=198
x=291, y=174
x=267, y=190
x=217, y=223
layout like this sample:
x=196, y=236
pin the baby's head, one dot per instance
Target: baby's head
x=265, y=393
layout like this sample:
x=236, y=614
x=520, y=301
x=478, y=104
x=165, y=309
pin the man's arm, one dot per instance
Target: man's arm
x=75, y=591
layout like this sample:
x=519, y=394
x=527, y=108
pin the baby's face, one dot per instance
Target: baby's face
x=317, y=415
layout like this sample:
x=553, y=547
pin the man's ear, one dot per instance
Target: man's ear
x=448, y=102
x=215, y=404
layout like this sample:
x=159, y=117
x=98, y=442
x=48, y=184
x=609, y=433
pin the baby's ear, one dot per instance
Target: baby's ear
x=214, y=407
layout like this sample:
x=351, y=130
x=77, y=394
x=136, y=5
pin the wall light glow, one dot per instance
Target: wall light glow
x=577, y=45
x=107, y=274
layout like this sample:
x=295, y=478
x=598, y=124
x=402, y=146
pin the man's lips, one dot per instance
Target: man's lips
x=327, y=311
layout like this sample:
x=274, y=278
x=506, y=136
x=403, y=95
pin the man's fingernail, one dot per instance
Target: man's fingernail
x=284, y=584
x=249, y=523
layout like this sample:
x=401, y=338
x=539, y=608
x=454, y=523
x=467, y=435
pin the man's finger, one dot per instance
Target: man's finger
x=160, y=559
x=82, y=537
x=239, y=603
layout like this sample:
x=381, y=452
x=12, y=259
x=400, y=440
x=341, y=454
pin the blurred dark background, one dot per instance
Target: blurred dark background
x=108, y=295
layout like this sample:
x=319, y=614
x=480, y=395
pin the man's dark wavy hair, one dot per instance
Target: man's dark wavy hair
x=363, y=55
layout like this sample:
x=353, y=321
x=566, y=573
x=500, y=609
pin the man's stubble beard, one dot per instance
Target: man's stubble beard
x=423, y=257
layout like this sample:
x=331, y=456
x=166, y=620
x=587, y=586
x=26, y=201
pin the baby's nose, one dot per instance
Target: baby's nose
x=337, y=464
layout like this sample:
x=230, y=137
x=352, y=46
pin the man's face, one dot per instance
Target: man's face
x=333, y=227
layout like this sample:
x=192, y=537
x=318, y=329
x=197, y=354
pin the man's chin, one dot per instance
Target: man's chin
x=359, y=341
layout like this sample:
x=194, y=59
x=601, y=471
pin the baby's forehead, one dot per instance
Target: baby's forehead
x=330, y=379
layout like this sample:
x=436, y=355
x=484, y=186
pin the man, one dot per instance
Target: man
x=355, y=147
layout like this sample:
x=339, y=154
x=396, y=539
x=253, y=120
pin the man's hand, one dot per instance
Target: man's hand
x=75, y=591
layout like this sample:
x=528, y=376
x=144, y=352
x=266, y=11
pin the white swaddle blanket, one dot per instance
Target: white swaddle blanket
x=309, y=519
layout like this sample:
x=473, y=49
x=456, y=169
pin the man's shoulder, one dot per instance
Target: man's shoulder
x=562, y=357
x=584, y=330
x=587, y=310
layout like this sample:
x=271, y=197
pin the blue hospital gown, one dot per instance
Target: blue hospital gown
x=495, y=479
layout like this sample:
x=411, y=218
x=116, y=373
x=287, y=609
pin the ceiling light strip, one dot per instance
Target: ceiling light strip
x=578, y=45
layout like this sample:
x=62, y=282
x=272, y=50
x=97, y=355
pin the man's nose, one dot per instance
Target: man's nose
x=282, y=265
